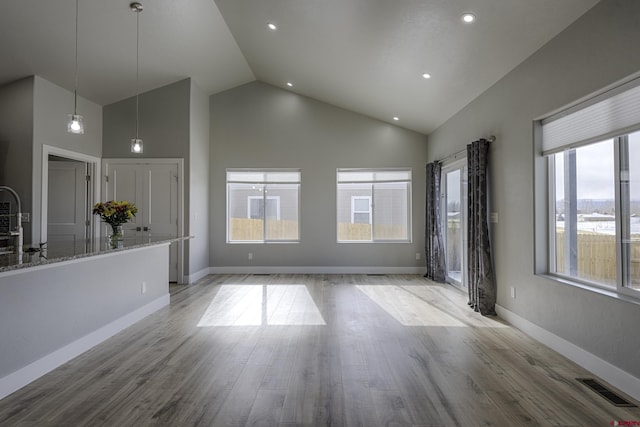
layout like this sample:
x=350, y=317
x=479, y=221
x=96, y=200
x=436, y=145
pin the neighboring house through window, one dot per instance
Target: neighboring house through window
x=360, y=210
x=257, y=204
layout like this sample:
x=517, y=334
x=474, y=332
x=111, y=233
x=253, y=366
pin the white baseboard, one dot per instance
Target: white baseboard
x=192, y=278
x=615, y=376
x=18, y=379
x=316, y=270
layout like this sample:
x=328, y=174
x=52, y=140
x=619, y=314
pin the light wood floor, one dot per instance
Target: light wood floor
x=315, y=350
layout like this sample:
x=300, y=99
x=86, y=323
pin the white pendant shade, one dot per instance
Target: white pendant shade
x=136, y=146
x=75, y=124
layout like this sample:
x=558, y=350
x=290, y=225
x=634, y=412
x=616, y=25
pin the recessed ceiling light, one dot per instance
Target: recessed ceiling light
x=396, y=118
x=426, y=75
x=272, y=26
x=468, y=18
x=289, y=84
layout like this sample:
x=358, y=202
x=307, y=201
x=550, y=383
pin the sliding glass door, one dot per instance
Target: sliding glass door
x=454, y=218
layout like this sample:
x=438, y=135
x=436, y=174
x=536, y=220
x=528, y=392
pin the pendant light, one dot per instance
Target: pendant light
x=136, y=143
x=75, y=123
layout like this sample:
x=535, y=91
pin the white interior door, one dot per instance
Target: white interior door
x=154, y=188
x=125, y=182
x=67, y=201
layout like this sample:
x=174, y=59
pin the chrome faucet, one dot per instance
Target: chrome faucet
x=17, y=233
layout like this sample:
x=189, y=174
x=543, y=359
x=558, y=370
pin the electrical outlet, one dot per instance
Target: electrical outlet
x=417, y=255
x=25, y=217
x=143, y=287
x=250, y=256
x=493, y=217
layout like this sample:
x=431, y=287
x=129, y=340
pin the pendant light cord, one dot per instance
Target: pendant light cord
x=75, y=88
x=137, y=64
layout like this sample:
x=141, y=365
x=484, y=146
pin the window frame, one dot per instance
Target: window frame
x=371, y=183
x=264, y=183
x=545, y=208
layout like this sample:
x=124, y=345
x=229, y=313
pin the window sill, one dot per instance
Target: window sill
x=373, y=241
x=262, y=242
x=611, y=293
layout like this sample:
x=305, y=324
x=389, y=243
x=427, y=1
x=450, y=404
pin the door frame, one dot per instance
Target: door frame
x=457, y=163
x=93, y=170
x=157, y=161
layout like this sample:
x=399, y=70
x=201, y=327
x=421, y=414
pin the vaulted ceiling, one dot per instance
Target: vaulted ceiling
x=367, y=56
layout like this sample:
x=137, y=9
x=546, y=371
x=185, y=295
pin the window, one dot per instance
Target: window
x=585, y=216
x=263, y=205
x=594, y=191
x=374, y=205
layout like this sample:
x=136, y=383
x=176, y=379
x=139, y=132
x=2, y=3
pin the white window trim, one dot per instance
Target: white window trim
x=409, y=180
x=264, y=172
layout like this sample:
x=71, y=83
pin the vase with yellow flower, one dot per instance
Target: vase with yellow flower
x=115, y=213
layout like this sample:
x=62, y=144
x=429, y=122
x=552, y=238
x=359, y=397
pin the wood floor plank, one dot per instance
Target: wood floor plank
x=314, y=350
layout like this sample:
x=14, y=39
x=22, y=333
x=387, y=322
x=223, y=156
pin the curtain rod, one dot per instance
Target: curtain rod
x=454, y=156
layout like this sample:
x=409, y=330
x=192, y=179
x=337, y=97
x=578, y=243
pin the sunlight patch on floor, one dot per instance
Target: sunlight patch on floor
x=258, y=305
x=406, y=308
x=431, y=294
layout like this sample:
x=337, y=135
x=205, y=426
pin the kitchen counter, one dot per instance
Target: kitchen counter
x=61, y=250
x=56, y=306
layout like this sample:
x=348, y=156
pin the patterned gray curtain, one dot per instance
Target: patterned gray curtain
x=434, y=247
x=482, y=288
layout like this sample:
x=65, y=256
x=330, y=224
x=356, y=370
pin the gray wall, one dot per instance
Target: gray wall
x=597, y=50
x=52, y=104
x=173, y=123
x=163, y=124
x=16, y=136
x=260, y=126
x=198, y=247
x=33, y=113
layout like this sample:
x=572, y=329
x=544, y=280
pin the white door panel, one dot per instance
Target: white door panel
x=162, y=187
x=67, y=201
x=125, y=183
x=154, y=189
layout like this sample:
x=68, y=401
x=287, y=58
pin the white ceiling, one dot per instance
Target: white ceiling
x=363, y=55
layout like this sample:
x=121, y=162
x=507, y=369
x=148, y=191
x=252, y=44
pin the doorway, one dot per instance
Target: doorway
x=68, y=210
x=454, y=220
x=155, y=187
x=69, y=190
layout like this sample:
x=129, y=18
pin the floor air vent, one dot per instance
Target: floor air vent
x=603, y=391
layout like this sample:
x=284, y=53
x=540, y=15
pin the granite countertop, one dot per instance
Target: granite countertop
x=62, y=250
